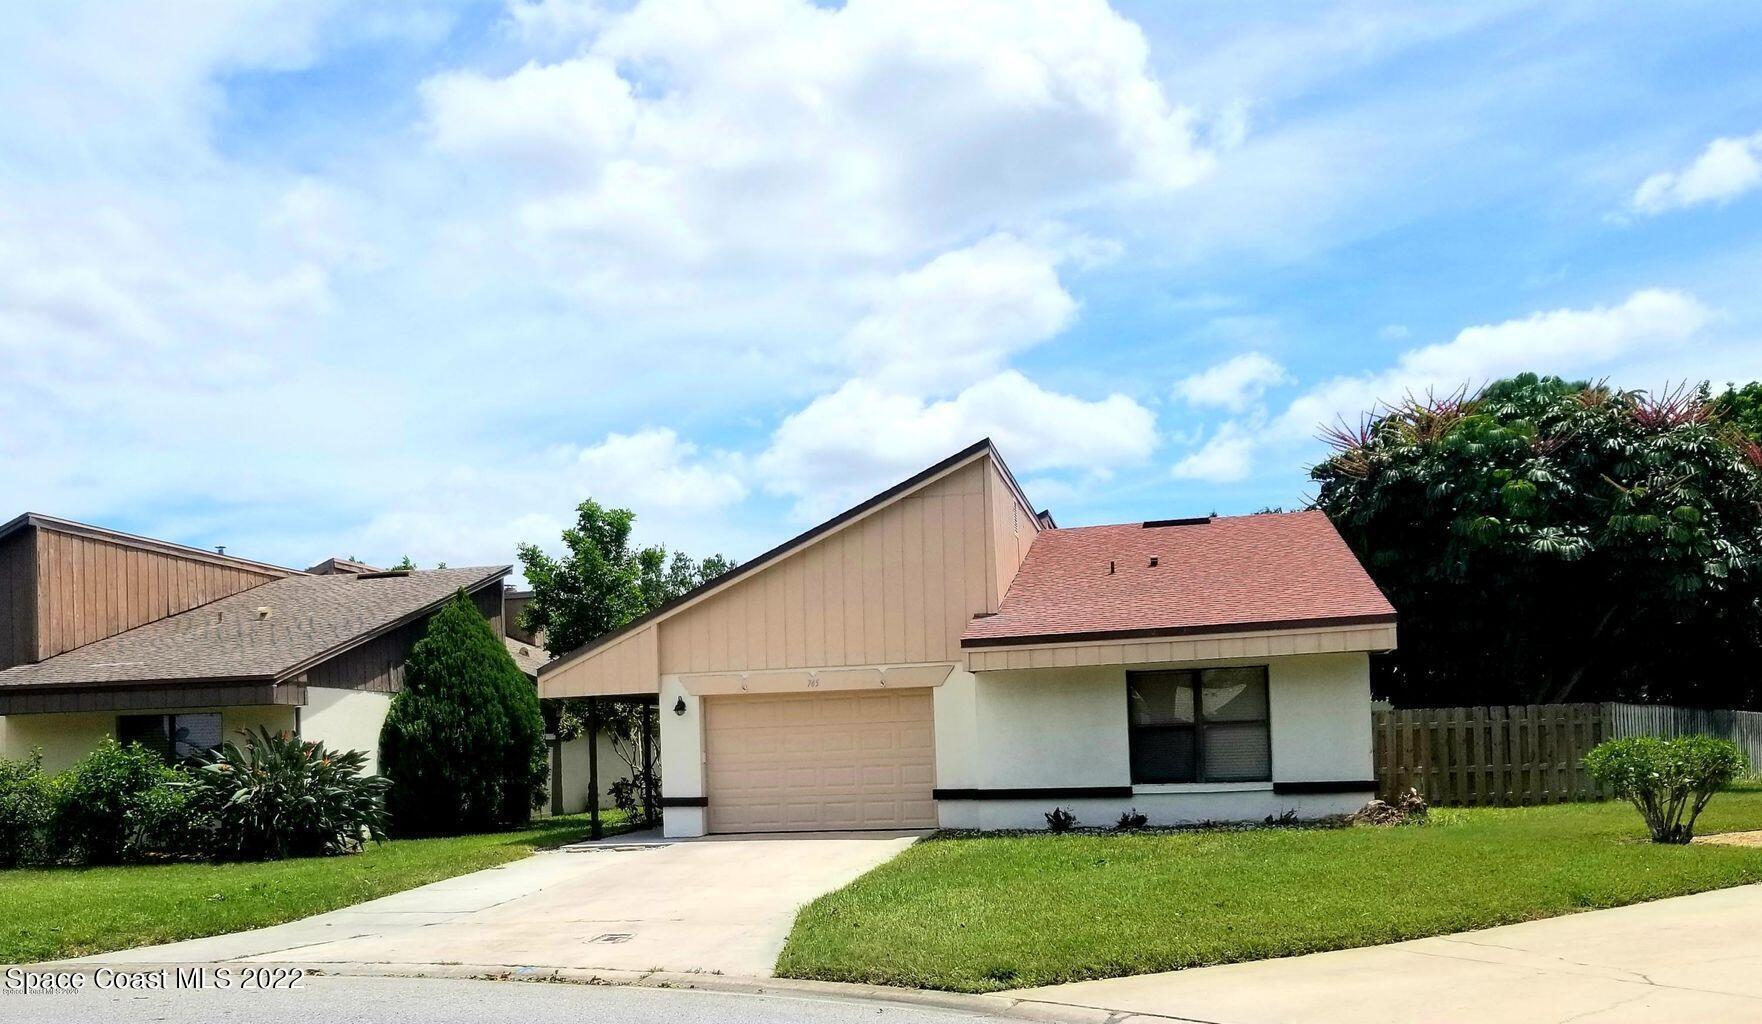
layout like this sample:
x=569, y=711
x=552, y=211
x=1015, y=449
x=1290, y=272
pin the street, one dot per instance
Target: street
x=344, y=999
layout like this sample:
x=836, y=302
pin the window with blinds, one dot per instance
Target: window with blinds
x=1205, y=725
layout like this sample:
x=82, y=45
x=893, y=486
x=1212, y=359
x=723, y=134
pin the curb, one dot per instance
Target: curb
x=992, y=1005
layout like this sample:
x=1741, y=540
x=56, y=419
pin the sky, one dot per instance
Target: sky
x=415, y=278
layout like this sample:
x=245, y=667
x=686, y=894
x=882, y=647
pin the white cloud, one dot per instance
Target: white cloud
x=1234, y=383
x=853, y=442
x=651, y=469
x=687, y=136
x=1228, y=456
x=1560, y=341
x=466, y=511
x=1726, y=169
x=960, y=317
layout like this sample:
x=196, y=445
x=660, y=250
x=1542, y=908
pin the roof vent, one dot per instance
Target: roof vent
x=1190, y=521
x=386, y=575
x=263, y=611
x=1153, y=561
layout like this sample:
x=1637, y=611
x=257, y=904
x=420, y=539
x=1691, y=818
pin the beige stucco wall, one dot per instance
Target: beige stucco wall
x=345, y=720
x=65, y=739
x=574, y=788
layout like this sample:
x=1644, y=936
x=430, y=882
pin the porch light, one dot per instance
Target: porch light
x=679, y=706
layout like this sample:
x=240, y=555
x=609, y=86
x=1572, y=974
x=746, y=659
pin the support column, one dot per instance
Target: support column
x=648, y=767
x=593, y=767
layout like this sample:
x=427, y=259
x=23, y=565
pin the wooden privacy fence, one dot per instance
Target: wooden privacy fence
x=1741, y=727
x=1528, y=754
x=1518, y=754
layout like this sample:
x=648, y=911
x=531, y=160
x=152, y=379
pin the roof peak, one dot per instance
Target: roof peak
x=104, y=533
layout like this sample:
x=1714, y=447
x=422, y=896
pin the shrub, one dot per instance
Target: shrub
x=284, y=797
x=1060, y=819
x=27, y=807
x=463, y=743
x=102, y=802
x=1668, y=780
x=1130, y=821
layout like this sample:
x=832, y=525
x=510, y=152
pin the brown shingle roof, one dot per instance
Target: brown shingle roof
x=310, y=618
x=530, y=657
x=1271, y=571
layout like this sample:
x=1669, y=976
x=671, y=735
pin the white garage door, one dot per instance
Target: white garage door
x=802, y=762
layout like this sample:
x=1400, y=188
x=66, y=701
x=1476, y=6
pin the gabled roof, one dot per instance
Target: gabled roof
x=332, y=566
x=981, y=447
x=143, y=543
x=310, y=619
x=1183, y=577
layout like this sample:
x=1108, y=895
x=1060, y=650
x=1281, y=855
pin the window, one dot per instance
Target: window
x=1208, y=725
x=175, y=737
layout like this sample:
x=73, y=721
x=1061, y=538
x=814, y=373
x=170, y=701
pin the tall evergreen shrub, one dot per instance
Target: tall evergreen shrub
x=463, y=743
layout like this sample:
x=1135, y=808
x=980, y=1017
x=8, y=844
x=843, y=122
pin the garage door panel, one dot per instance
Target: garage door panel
x=795, y=762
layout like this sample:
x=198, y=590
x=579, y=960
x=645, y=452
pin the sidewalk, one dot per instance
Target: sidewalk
x=1693, y=958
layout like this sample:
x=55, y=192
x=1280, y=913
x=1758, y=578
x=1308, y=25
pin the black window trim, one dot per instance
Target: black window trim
x=1198, y=726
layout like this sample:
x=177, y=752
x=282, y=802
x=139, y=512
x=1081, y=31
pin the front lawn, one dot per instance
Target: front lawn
x=54, y=913
x=978, y=914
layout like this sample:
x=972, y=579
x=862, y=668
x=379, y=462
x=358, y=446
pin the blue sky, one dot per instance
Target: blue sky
x=312, y=278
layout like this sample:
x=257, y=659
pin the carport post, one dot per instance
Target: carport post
x=648, y=766
x=593, y=766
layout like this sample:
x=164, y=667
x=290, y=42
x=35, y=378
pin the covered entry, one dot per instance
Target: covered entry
x=792, y=762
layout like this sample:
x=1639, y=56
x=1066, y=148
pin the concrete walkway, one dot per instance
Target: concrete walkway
x=1693, y=958
x=722, y=904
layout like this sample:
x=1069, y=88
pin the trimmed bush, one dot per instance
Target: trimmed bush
x=463, y=743
x=103, y=803
x=279, y=796
x=1668, y=780
x=27, y=808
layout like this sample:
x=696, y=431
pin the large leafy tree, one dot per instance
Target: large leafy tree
x=601, y=582
x=463, y=741
x=1546, y=540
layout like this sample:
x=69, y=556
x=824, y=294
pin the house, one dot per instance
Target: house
x=107, y=634
x=944, y=655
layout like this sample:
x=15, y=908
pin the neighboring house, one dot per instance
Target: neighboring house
x=107, y=634
x=943, y=655
x=569, y=767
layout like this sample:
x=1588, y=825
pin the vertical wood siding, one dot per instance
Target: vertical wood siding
x=88, y=589
x=896, y=586
x=18, y=598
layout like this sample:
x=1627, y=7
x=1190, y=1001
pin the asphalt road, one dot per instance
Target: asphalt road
x=341, y=1000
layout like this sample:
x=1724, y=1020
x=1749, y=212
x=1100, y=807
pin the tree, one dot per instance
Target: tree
x=1741, y=408
x=1546, y=540
x=600, y=584
x=463, y=742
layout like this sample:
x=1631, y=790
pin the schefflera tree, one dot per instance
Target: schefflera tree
x=463, y=742
x=1669, y=781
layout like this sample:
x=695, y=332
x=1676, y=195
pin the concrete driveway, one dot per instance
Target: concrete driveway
x=721, y=904
x=1694, y=958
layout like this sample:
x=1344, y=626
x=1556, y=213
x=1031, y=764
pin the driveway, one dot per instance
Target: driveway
x=1692, y=958
x=722, y=904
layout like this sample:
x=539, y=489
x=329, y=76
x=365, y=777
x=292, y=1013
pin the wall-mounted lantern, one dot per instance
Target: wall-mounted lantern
x=679, y=706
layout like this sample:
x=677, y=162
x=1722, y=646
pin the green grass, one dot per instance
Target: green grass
x=982, y=913
x=62, y=912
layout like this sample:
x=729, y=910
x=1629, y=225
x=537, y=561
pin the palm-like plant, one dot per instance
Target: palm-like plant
x=280, y=796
